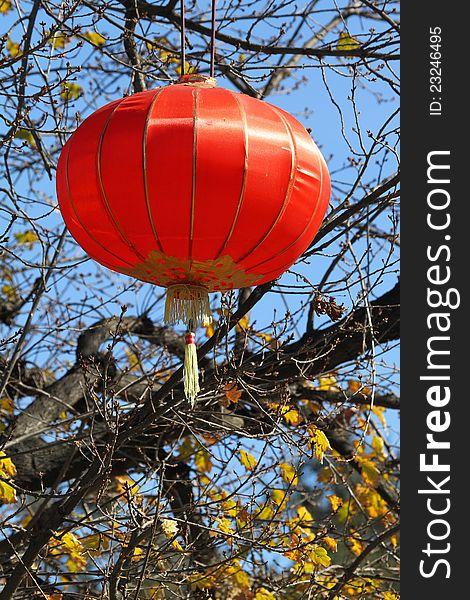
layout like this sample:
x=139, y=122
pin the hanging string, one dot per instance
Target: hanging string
x=183, y=38
x=213, y=38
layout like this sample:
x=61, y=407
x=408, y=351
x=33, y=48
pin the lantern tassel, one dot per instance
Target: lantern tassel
x=187, y=303
x=191, y=371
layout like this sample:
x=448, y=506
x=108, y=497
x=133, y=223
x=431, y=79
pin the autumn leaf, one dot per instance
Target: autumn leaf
x=209, y=327
x=280, y=498
x=292, y=416
x=247, y=460
x=68, y=544
x=13, y=48
x=304, y=515
x=369, y=472
x=7, y=406
x=232, y=393
x=188, y=68
x=70, y=91
x=26, y=238
x=239, y=576
x=355, y=545
x=319, y=556
x=7, y=472
x=335, y=502
x=318, y=441
x=289, y=474
x=133, y=359
x=203, y=461
x=126, y=486
x=243, y=324
x=390, y=596
x=59, y=40
x=378, y=445
x=265, y=513
x=5, y=6
x=263, y=594
x=328, y=383
x=95, y=38
x=347, y=42
x=7, y=493
x=330, y=542
x=9, y=292
x=201, y=581
x=169, y=527
x=138, y=554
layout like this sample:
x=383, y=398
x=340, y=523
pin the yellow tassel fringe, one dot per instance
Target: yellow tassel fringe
x=191, y=373
x=187, y=303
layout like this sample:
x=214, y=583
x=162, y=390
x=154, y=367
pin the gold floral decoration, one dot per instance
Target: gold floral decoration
x=218, y=274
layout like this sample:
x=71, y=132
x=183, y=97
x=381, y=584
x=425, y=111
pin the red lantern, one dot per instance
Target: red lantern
x=194, y=188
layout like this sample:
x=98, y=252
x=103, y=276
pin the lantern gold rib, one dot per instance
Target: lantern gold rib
x=72, y=204
x=245, y=171
x=118, y=228
x=290, y=184
x=306, y=228
x=144, y=163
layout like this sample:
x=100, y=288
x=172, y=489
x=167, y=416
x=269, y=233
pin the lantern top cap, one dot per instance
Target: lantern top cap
x=197, y=80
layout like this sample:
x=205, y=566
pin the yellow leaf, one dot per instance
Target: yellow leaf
x=263, y=594
x=390, y=596
x=70, y=91
x=289, y=474
x=325, y=475
x=230, y=507
x=241, y=579
x=169, y=527
x=328, y=383
x=224, y=525
x=138, y=554
x=347, y=42
x=5, y=6
x=292, y=416
x=209, y=327
x=95, y=38
x=319, y=556
x=95, y=542
x=318, y=441
x=265, y=513
x=188, y=68
x=203, y=461
x=232, y=393
x=133, y=359
x=356, y=546
x=177, y=546
x=335, y=502
x=59, y=40
x=280, y=498
x=369, y=472
x=354, y=386
x=7, y=493
x=7, y=468
x=378, y=444
x=330, y=542
x=7, y=405
x=304, y=515
x=247, y=460
x=266, y=337
x=126, y=486
x=9, y=292
x=379, y=412
x=243, y=324
x=13, y=48
x=27, y=238
x=201, y=581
